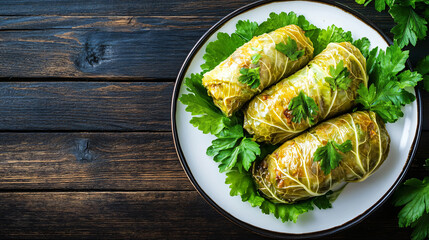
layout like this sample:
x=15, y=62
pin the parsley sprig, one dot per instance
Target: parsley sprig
x=206, y=116
x=339, y=77
x=303, y=107
x=414, y=196
x=329, y=156
x=290, y=49
x=250, y=76
x=423, y=69
x=409, y=15
x=232, y=149
x=387, y=91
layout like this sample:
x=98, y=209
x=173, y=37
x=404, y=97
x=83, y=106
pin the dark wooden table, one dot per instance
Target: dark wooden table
x=86, y=148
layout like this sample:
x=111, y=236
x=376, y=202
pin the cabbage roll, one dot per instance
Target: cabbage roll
x=222, y=83
x=290, y=173
x=267, y=116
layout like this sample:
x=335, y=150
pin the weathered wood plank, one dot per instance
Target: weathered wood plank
x=129, y=7
x=116, y=161
x=144, y=46
x=95, y=54
x=85, y=106
x=143, y=215
x=88, y=161
x=89, y=106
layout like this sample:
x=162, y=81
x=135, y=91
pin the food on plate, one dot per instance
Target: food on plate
x=259, y=63
x=324, y=88
x=316, y=161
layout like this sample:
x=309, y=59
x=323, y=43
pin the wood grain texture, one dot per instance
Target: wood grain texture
x=97, y=161
x=72, y=39
x=144, y=215
x=97, y=47
x=90, y=161
x=85, y=106
x=93, y=106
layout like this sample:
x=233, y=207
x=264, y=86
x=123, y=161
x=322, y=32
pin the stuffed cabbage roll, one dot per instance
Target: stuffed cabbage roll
x=271, y=65
x=331, y=80
x=290, y=173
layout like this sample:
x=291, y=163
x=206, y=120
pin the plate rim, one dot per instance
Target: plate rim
x=226, y=214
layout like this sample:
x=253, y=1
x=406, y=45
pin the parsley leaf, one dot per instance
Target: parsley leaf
x=339, y=77
x=206, y=116
x=250, y=76
x=282, y=19
x=303, y=107
x=410, y=26
x=290, y=49
x=421, y=228
x=329, y=156
x=414, y=196
x=232, y=149
x=386, y=93
x=246, y=29
x=363, y=45
x=220, y=49
x=290, y=212
x=423, y=69
x=328, y=35
x=380, y=5
x=242, y=184
x=255, y=58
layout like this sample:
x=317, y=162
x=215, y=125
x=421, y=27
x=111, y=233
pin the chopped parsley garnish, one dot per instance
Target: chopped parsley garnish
x=250, y=76
x=303, y=107
x=339, y=78
x=329, y=156
x=255, y=58
x=290, y=49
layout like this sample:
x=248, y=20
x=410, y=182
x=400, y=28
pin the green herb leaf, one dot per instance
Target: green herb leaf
x=339, y=77
x=410, y=26
x=290, y=212
x=242, y=184
x=423, y=69
x=290, y=49
x=386, y=93
x=231, y=149
x=380, y=5
x=207, y=117
x=421, y=228
x=363, y=45
x=329, y=156
x=250, y=76
x=255, y=58
x=276, y=21
x=414, y=196
x=328, y=35
x=303, y=107
x=220, y=49
x=246, y=29
x=386, y=110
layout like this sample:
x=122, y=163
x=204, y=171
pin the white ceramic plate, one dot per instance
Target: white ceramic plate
x=357, y=200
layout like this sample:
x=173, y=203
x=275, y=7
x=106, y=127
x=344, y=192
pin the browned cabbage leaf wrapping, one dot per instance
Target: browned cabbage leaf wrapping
x=267, y=115
x=289, y=174
x=222, y=82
